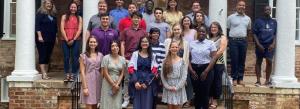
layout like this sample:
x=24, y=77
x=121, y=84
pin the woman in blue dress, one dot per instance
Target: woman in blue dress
x=143, y=69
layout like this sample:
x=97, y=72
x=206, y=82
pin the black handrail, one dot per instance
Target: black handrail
x=75, y=91
x=228, y=92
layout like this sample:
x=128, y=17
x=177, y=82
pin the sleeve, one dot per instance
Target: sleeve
x=249, y=24
x=182, y=77
x=154, y=68
x=121, y=28
x=275, y=28
x=56, y=28
x=228, y=22
x=168, y=28
x=255, y=27
x=38, y=22
x=122, y=35
x=83, y=57
x=90, y=24
x=143, y=24
x=213, y=47
x=116, y=37
x=104, y=62
x=132, y=63
x=164, y=81
x=186, y=52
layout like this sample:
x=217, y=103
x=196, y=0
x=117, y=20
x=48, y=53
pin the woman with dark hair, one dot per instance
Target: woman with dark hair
x=189, y=34
x=216, y=35
x=173, y=77
x=202, y=52
x=91, y=77
x=172, y=15
x=143, y=69
x=70, y=27
x=46, y=29
x=199, y=19
x=113, y=66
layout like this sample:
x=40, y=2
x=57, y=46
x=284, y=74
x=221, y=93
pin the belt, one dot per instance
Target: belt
x=199, y=65
x=237, y=38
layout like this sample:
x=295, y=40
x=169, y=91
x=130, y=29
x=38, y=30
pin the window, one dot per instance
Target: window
x=297, y=37
x=4, y=90
x=9, y=23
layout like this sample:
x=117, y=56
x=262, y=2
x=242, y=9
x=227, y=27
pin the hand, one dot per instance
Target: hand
x=70, y=43
x=138, y=86
x=194, y=75
x=203, y=75
x=40, y=38
x=144, y=86
x=115, y=89
x=85, y=92
x=173, y=89
x=271, y=47
x=260, y=48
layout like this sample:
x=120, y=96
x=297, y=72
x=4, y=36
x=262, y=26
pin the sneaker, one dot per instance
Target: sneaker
x=125, y=103
x=257, y=84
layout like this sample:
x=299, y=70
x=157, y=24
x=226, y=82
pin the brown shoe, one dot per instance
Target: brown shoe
x=240, y=82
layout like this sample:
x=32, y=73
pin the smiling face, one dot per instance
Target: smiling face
x=172, y=4
x=93, y=43
x=241, y=6
x=102, y=7
x=73, y=8
x=135, y=20
x=186, y=22
x=176, y=30
x=214, y=29
x=158, y=14
x=201, y=33
x=144, y=43
x=119, y=3
x=48, y=5
x=196, y=7
x=174, y=47
x=199, y=17
x=154, y=36
x=104, y=21
x=149, y=5
x=114, y=48
x=131, y=8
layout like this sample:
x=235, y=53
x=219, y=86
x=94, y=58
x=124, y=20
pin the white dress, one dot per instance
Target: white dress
x=176, y=78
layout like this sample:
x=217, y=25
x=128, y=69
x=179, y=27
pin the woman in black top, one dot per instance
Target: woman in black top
x=46, y=29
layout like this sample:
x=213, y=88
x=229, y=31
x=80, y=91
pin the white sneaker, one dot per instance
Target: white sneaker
x=125, y=103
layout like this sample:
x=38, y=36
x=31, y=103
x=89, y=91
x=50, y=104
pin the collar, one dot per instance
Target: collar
x=135, y=29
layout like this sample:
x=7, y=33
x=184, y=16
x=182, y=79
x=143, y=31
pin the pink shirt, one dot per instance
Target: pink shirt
x=71, y=27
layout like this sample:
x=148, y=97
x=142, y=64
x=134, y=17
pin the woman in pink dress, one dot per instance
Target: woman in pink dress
x=91, y=77
x=70, y=27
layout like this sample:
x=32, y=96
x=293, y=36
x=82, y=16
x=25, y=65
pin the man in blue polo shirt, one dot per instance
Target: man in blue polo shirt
x=119, y=12
x=264, y=30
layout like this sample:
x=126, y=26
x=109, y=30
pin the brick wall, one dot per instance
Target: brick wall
x=265, y=98
x=43, y=95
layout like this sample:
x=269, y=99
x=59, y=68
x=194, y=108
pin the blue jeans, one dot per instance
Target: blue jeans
x=238, y=50
x=71, y=52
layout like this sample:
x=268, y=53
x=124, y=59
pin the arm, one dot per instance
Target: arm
x=38, y=27
x=62, y=27
x=82, y=72
x=223, y=46
x=122, y=48
x=183, y=77
x=104, y=65
x=79, y=29
x=163, y=80
x=121, y=75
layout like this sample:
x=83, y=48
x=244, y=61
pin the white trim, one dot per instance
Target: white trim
x=297, y=43
x=7, y=21
x=4, y=90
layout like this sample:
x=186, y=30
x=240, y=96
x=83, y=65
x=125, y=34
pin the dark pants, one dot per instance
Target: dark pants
x=45, y=50
x=238, y=50
x=202, y=88
x=216, y=88
x=71, y=52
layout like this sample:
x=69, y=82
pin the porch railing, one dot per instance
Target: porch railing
x=75, y=91
x=228, y=91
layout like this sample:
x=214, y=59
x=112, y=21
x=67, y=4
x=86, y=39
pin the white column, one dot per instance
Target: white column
x=218, y=12
x=284, y=71
x=90, y=8
x=25, y=69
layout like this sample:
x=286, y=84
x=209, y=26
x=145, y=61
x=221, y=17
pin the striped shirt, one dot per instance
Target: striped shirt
x=159, y=51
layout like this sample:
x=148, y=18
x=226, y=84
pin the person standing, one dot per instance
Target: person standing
x=70, y=27
x=90, y=61
x=143, y=70
x=172, y=15
x=148, y=13
x=126, y=22
x=220, y=40
x=173, y=77
x=104, y=34
x=202, y=60
x=113, y=66
x=129, y=40
x=239, y=25
x=264, y=30
x=119, y=12
x=158, y=49
x=160, y=24
x=196, y=7
x=46, y=30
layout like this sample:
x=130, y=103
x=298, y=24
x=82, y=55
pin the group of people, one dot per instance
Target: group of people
x=141, y=51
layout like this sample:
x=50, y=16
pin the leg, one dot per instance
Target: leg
x=88, y=106
x=268, y=70
x=66, y=51
x=75, y=59
x=233, y=52
x=241, y=59
x=259, y=60
x=217, y=83
x=125, y=90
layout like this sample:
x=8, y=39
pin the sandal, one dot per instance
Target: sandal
x=212, y=106
x=186, y=105
x=45, y=76
x=257, y=84
x=67, y=77
x=71, y=79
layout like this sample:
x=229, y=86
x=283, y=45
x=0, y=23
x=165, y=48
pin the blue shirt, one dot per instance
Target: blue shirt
x=265, y=30
x=47, y=25
x=118, y=14
x=200, y=51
